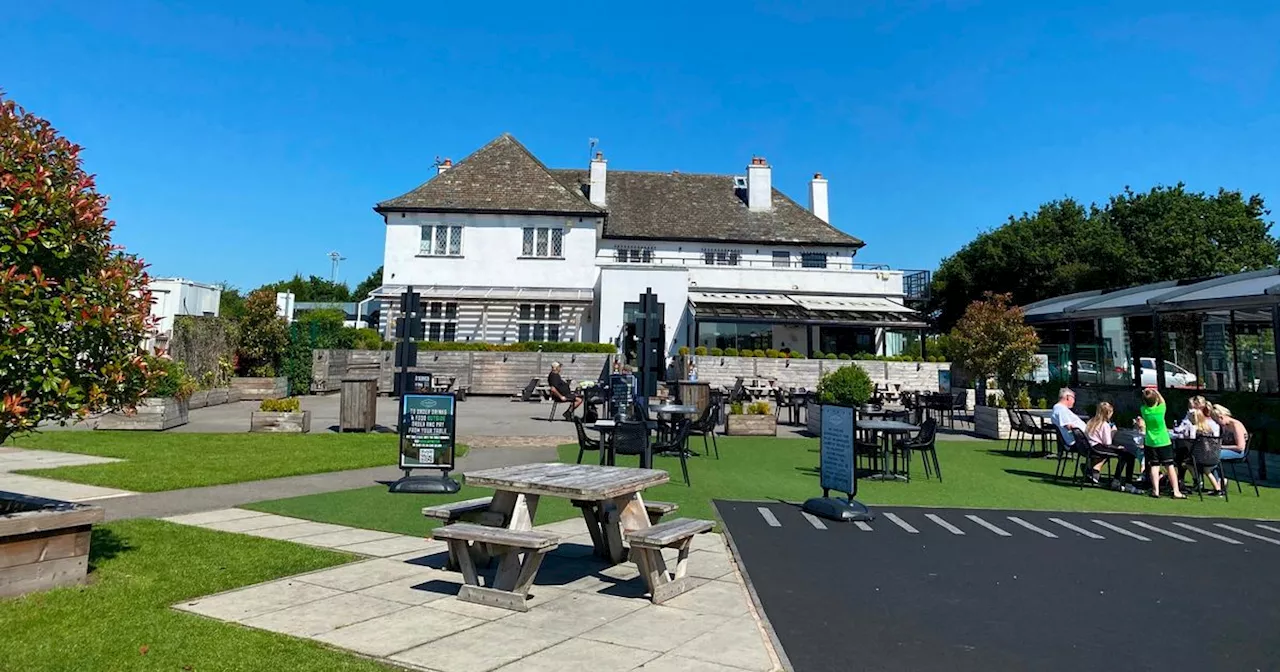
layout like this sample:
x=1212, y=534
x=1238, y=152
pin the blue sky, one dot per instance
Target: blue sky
x=243, y=141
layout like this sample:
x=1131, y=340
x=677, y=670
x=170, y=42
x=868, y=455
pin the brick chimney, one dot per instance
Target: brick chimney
x=597, y=190
x=818, y=197
x=444, y=165
x=759, y=185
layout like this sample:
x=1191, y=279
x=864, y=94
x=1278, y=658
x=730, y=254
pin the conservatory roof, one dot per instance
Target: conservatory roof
x=1251, y=290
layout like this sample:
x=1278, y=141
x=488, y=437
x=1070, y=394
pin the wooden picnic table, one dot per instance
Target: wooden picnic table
x=609, y=497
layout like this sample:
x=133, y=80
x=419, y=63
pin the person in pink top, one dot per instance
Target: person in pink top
x=1101, y=433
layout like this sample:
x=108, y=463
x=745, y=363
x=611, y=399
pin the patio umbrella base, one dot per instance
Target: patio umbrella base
x=839, y=509
x=426, y=485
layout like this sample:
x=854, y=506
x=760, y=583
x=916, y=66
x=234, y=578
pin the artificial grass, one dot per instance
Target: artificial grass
x=978, y=474
x=122, y=620
x=155, y=462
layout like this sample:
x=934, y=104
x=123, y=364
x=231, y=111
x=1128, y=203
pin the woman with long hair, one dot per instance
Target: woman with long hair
x=1101, y=432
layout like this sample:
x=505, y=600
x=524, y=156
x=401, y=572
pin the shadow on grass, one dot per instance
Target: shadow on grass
x=105, y=545
x=1046, y=479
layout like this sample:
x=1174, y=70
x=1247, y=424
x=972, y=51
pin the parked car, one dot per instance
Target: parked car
x=1174, y=375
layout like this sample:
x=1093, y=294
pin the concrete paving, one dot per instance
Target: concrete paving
x=16, y=459
x=584, y=615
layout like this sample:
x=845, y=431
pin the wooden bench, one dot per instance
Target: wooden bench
x=646, y=551
x=510, y=586
x=656, y=510
x=469, y=510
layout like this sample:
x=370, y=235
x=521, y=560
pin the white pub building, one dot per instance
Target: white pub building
x=504, y=250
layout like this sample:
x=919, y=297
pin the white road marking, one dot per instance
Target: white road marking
x=1121, y=530
x=1076, y=529
x=987, y=525
x=1207, y=533
x=768, y=517
x=1269, y=528
x=944, y=524
x=813, y=520
x=1166, y=533
x=1033, y=528
x=862, y=525
x=901, y=523
x=1247, y=533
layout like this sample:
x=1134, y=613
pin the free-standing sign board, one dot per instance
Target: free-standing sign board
x=836, y=467
x=427, y=431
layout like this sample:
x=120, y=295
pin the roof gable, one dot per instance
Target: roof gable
x=502, y=176
x=690, y=206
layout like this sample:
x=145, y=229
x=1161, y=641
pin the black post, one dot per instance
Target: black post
x=1071, y=354
x=1235, y=353
x=1159, y=336
x=1135, y=359
x=924, y=344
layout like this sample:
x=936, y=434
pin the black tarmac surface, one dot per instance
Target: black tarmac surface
x=996, y=593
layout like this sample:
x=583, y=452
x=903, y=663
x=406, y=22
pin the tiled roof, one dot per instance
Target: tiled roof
x=502, y=176
x=687, y=206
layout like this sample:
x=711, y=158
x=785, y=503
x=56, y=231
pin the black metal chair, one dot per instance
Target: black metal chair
x=631, y=437
x=1016, y=435
x=1033, y=426
x=705, y=426
x=739, y=391
x=958, y=399
x=676, y=444
x=1084, y=449
x=924, y=443
x=585, y=442
x=1206, y=451
x=1233, y=461
x=781, y=400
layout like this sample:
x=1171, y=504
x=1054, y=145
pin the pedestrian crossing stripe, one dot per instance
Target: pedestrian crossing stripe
x=1269, y=528
x=1207, y=533
x=1077, y=529
x=944, y=524
x=1121, y=530
x=862, y=525
x=1172, y=535
x=987, y=525
x=813, y=520
x=1249, y=534
x=1033, y=528
x=901, y=523
x=768, y=516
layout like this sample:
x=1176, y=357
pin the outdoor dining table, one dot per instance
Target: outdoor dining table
x=886, y=429
x=670, y=411
x=609, y=497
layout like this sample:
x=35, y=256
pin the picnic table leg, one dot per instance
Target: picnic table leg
x=517, y=509
x=622, y=514
x=593, y=516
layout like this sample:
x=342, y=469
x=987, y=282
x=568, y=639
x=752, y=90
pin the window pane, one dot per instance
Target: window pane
x=542, y=243
x=553, y=312
x=442, y=239
x=524, y=333
x=455, y=240
x=557, y=242
x=813, y=259
x=539, y=332
x=424, y=241
x=528, y=243
x=781, y=259
x=525, y=310
x=553, y=332
x=635, y=256
x=733, y=258
x=435, y=310
x=433, y=332
x=709, y=257
x=539, y=310
x=450, y=332
x=620, y=254
x=450, y=311
x=647, y=256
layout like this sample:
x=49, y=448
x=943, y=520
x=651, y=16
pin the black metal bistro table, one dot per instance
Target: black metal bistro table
x=887, y=429
x=605, y=427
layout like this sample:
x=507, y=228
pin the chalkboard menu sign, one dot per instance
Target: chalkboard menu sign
x=427, y=431
x=836, y=447
x=621, y=391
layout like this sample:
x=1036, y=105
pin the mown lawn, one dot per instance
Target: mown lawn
x=122, y=621
x=977, y=475
x=156, y=462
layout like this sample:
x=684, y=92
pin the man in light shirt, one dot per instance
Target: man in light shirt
x=1064, y=418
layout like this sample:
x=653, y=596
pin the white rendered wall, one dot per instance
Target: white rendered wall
x=621, y=284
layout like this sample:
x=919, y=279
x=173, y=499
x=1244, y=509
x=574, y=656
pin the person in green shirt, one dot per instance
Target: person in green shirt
x=1157, y=446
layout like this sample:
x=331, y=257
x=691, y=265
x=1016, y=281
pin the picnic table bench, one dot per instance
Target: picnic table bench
x=510, y=587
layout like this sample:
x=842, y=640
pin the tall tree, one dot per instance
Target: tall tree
x=312, y=288
x=991, y=340
x=230, y=302
x=1064, y=247
x=73, y=309
x=374, y=281
x=263, y=336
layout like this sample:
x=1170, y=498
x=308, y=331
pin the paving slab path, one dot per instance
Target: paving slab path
x=17, y=459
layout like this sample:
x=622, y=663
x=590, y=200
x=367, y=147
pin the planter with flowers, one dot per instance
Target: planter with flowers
x=750, y=419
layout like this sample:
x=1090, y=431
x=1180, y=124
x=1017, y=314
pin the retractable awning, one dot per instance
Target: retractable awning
x=816, y=309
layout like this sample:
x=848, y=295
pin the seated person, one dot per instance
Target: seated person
x=1198, y=425
x=1101, y=431
x=1064, y=418
x=560, y=391
x=1234, y=436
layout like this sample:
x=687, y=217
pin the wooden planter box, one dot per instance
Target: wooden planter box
x=218, y=396
x=257, y=389
x=44, y=543
x=199, y=399
x=152, y=413
x=750, y=425
x=271, y=421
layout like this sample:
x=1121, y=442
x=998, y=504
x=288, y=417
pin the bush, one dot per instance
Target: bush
x=735, y=408
x=829, y=355
x=683, y=351
x=264, y=337
x=772, y=353
x=758, y=353
x=700, y=351
x=717, y=352
x=286, y=405
x=753, y=408
x=368, y=339
x=994, y=400
x=845, y=356
x=846, y=386
x=205, y=345
x=730, y=352
x=796, y=355
x=747, y=352
x=170, y=379
x=818, y=354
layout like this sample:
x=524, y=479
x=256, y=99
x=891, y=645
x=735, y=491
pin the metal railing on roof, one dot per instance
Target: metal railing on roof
x=643, y=256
